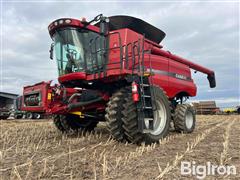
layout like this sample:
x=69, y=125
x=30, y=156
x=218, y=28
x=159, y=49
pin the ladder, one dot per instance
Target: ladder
x=145, y=107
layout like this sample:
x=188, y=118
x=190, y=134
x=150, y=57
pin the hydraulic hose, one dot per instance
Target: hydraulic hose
x=80, y=104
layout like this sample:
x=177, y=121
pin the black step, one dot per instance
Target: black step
x=149, y=119
x=147, y=107
x=145, y=85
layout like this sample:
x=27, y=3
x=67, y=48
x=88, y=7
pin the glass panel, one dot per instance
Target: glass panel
x=78, y=50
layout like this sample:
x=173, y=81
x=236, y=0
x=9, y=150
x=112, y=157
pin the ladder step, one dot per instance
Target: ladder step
x=145, y=85
x=147, y=96
x=148, y=119
x=147, y=107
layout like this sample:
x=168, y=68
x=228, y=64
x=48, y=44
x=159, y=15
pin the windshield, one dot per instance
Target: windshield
x=78, y=50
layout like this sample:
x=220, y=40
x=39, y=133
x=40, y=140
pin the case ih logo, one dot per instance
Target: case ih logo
x=179, y=76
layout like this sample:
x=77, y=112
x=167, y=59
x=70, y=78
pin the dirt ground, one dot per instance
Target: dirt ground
x=37, y=150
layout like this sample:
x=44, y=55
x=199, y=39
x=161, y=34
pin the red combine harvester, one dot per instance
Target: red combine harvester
x=114, y=67
x=36, y=99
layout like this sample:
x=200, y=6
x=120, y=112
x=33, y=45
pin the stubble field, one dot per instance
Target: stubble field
x=36, y=150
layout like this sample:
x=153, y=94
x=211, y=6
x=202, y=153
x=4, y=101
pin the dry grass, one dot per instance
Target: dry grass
x=224, y=156
x=190, y=149
x=36, y=150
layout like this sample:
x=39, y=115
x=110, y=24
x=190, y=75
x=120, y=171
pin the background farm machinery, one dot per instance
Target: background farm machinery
x=35, y=101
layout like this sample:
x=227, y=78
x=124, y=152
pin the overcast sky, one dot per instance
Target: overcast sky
x=203, y=32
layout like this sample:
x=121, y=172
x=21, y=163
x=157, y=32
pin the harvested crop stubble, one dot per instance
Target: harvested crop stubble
x=35, y=149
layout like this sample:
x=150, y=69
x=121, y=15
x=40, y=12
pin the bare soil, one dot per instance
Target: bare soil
x=31, y=149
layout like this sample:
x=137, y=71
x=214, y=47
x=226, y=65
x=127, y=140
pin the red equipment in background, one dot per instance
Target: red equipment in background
x=36, y=99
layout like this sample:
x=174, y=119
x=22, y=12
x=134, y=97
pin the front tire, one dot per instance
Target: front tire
x=58, y=124
x=184, y=118
x=162, y=118
x=114, y=114
x=72, y=124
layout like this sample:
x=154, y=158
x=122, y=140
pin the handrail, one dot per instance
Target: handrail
x=130, y=54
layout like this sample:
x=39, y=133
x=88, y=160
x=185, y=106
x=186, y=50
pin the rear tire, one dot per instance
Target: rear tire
x=161, y=126
x=114, y=114
x=72, y=124
x=184, y=118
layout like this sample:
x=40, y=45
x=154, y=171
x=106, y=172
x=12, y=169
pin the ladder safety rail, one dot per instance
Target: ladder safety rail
x=120, y=46
x=131, y=55
x=127, y=54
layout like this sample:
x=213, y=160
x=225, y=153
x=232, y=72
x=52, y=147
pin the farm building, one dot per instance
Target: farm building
x=206, y=107
x=7, y=100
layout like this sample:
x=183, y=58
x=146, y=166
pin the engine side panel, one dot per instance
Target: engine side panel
x=172, y=76
x=181, y=80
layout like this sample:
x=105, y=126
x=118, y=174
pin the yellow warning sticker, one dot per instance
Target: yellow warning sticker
x=79, y=113
x=49, y=97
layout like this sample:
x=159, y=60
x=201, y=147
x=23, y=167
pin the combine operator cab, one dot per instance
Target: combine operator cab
x=80, y=48
x=74, y=51
x=114, y=67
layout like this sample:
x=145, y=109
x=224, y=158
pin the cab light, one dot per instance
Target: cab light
x=68, y=21
x=83, y=19
x=60, y=21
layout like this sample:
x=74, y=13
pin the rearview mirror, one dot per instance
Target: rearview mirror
x=104, y=26
x=51, y=51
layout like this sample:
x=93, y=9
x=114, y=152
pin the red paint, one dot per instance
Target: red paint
x=72, y=76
